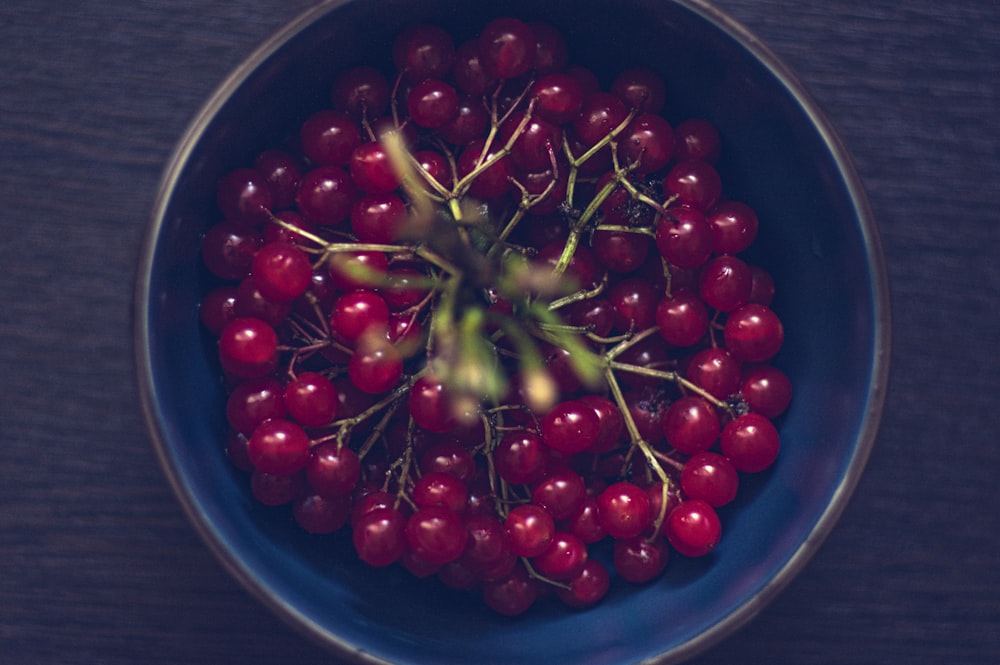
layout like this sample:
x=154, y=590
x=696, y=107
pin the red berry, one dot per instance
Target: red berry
x=691, y=425
x=279, y=447
x=530, y=528
x=371, y=170
x=753, y=333
x=751, y=442
x=563, y=559
x=570, y=427
x=710, y=477
x=281, y=271
x=520, y=457
x=507, y=47
x=244, y=196
x=640, y=88
x=253, y=401
x=640, y=560
x=587, y=587
x=624, y=510
x=329, y=137
x=436, y=534
x=248, y=348
x=379, y=536
x=693, y=528
x=333, y=470
x=766, y=389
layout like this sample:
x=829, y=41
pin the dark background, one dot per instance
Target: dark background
x=97, y=562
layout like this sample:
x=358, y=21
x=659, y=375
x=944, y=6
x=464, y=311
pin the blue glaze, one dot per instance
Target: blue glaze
x=817, y=239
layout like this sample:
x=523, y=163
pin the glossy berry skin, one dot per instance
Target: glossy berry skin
x=691, y=425
x=250, y=302
x=350, y=271
x=693, y=528
x=624, y=510
x=751, y=442
x=430, y=405
x=379, y=536
x=563, y=559
x=487, y=543
x=279, y=447
x=362, y=91
x=378, y=218
x=328, y=138
x=244, y=196
x=333, y=470
x=511, y=595
x=682, y=319
x=436, y=534
x=710, y=477
x=640, y=88
x=734, y=227
x=753, y=333
x=600, y=114
x=587, y=587
x=520, y=457
x=715, y=370
x=370, y=169
x=494, y=181
x=585, y=524
x=281, y=271
x=610, y=419
x=326, y=195
x=640, y=560
x=725, y=283
x=766, y=389
x=558, y=98
x=696, y=183
x=538, y=140
x=551, y=51
x=570, y=427
x=252, y=402
x=507, y=47
x=248, y=348
x=320, y=515
x=432, y=103
x=452, y=458
x=355, y=314
x=423, y=51
x=470, y=121
x=437, y=488
x=647, y=143
x=685, y=237
x=282, y=170
x=530, y=528
x=227, y=249
x=621, y=251
x=635, y=301
x=376, y=366
x=561, y=492
x=697, y=138
x=468, y=72
x=275, y=490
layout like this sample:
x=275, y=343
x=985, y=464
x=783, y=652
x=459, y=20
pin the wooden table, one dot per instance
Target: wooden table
x=97, y=563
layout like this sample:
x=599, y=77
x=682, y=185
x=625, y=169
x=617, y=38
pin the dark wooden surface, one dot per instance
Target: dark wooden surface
x=97, y=563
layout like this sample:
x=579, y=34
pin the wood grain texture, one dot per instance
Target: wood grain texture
x=97, y=563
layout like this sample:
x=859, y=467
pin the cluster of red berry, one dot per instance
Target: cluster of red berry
x=486, y=313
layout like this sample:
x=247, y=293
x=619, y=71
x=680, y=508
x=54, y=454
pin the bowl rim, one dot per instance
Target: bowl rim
x=712, y=635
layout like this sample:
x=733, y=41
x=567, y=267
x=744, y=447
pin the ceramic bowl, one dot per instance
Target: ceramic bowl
x=817, y=238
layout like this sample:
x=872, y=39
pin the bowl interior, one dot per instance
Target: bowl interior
x=816, y=238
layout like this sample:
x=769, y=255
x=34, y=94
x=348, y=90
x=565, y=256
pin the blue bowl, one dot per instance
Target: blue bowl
x=817, y=238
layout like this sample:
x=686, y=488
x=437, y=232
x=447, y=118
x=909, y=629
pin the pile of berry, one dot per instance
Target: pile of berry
x=486, y=313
